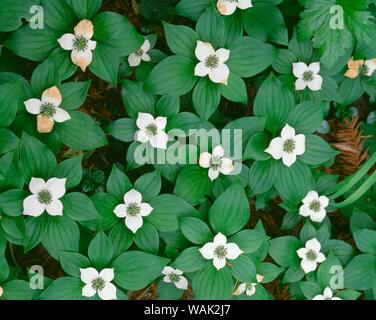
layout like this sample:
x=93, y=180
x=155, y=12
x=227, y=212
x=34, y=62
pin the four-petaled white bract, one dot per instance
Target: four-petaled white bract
x=212, y=62
x=360, y=67
x=47, y=109
x=248, y=288
x=307, y=76
x=216, y=163
x=288, y=146
x=135, y=58
x=310, y=255
x=98, y=282
x=45, y=197
x=176, y=277
x=314, y=206
x=152, y=130
x=228, y=7
x=133, y=210
x=219, y=250
x=1, y=291
x=328, y=295
x=80, y=44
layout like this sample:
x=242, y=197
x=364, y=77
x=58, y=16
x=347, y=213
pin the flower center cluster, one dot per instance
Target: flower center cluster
x=315, y=206
x=289, y=146
x=212, y=61
x=311, y=255
x=151, y=130
x=215, y=163
x=308, y=76
x=139, y=52
x=98, y=284
x=174, y=277
x=45, y=197
x=80, y=43
x=47, y=110
x=220, y=252
x=363, y=70
x=133, y=209
x=249, y=286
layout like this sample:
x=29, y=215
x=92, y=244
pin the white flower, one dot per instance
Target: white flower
x=307, y=76
x=248, y=288
x=133, y=210
x=135, y=58
x=310, y=255
x=100, y=283
x=176, y=277
x=328, y=295
x=45, y=196
x=47, y=109
x=216, y=163
x=152, y=130
x=80, y=44
x=1, y=291
x=228, y=7
x=360, y=67
x=220, y=250
x=288, y=146
x=314, y=206
x=212, y=62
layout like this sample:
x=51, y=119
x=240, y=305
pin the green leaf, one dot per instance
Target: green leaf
x=36, y=160
x=206, y=96
x=230, y=212
x=74, y=94
x=147, y=238
x=136, y=99
x=181, y=40
x=310, y=289
x=256, y=146
x=11, y=202
x=243, y=269
x=86, y=9
x=172, y=76
x=274, y=102
x=35, y=45
x=118, y=184
x=262, y=176
x=211, y=27
x=72, y=263
x=283, y=250
x=190, y=260
x=123, y=130
x=9, y=97
x=195, y=230
x=149, y=185
x=167, y=209
x=293, y=274
x=58, y=15
x=10, y=19
x=167, y=106
x=317, y=151
x=18, y=290
x=269, y=271
x=65, y=288
x=70, y=169
x=62, y=235
x=293, y=183
x=105, y=64
x=130, y=265
x=210, y=284
x=121, y=238
x=249, y=56
x=168, y=291
x=307, y=116
x=45, y=76
x=249, y=241
x=105, y=205
x=81, y=132
x=8, y=141
x=100, y=251
x=360, y=273
x=365, y=240
x=192, y=184
x=79, y=207
x=235, y=90
x=329, y=270
x=350, y=91
x=117, y=34
x=35, y=231
x=271, y=29
x=192, y=9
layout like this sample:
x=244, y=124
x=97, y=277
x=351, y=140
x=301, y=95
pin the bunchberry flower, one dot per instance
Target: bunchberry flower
x=310, y=255
x=314, y=206
x=228, y=7
x=175, y=276
x=307, y=76
x=152, y=130
x=141, y=54
x=98, y=282
x=216, y=163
